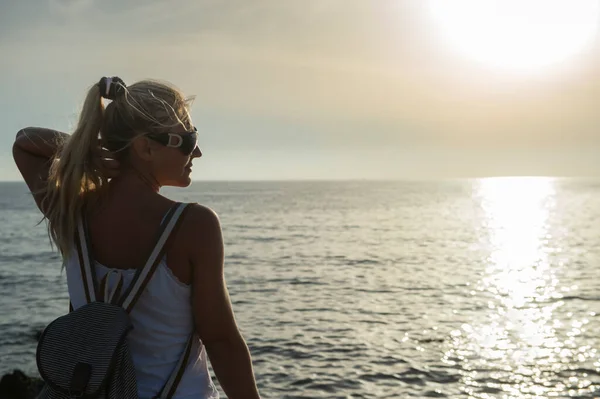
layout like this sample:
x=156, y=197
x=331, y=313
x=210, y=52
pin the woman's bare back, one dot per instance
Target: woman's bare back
x=123, y=230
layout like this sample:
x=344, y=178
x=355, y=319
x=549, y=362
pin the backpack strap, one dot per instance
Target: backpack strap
x=86, y=263
x=143, y=275
x=168, y=390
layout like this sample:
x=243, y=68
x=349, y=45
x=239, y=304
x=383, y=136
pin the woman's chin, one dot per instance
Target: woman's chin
x=183, y=181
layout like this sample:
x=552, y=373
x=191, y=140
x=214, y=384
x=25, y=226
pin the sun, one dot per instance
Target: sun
x=517, y=34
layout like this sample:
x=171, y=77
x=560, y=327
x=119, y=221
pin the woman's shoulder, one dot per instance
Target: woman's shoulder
x=201, y=239
x=201, y=213
x=200, y=219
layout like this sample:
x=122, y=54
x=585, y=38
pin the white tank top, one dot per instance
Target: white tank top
x=162, y=320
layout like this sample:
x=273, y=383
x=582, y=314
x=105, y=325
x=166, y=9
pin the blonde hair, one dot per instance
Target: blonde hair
x=77, y=175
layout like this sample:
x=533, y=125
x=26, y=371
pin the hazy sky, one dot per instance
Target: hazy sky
x=317, y=88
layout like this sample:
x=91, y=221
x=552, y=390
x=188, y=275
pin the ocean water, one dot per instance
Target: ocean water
x=453, y=289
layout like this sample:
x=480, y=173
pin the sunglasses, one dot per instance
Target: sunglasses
x=186, y=142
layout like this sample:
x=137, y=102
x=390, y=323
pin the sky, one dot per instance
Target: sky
x=325, y=89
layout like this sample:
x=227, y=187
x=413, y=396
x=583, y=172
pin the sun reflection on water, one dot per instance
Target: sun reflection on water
x=518, y=346
x=517, y=212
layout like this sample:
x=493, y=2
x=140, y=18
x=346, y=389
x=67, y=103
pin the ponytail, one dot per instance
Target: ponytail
x=75, y=174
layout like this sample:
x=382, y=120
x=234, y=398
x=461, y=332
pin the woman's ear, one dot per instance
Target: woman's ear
x=143, y=147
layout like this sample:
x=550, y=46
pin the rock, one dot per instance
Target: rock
x=17, y=385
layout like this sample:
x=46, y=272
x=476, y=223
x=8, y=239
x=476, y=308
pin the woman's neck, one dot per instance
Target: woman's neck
x=136, y=181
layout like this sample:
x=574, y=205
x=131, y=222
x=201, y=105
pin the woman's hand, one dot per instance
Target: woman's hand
x=33, y=150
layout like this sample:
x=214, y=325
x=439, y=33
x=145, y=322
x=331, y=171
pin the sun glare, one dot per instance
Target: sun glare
x=517, y=34
x=515, y=337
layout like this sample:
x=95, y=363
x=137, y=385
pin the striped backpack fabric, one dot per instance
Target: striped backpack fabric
x=85, y=353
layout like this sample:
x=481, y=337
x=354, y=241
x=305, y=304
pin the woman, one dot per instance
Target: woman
x=110, y=170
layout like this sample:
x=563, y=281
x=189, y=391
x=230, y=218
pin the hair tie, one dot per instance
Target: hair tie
x=111, y=87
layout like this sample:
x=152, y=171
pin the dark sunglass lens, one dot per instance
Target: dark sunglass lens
x=189, y=143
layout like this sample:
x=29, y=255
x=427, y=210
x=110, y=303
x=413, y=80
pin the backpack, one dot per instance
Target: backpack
x=85, y=353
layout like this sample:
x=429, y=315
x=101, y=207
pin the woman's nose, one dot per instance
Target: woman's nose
x=196, y=153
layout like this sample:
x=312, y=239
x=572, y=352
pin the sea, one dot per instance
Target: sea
x=473, y=288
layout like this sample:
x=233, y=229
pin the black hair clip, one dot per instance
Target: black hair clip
x=111, y=87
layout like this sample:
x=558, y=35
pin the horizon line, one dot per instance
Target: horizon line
x=371, y=179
